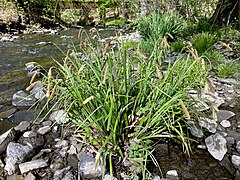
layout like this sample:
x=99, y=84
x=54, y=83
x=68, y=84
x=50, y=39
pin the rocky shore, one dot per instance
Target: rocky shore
x=49, y=147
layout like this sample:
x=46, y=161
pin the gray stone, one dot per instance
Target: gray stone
x=237, y=175
x=213, y=98
x=6, y=138
x=1, y=164
x=227, y=80
x=58, y=174
x=194, y=129
x=238, y=146
x=59, y=116
x=230, y=140
x=61, y=143
x=156, y=177
x=38, y=91
x=72, y=150
x=29, y=134
x=46, y=123
x=16, y=153
x=224, y=115
x=225, y=123
x=23, y=126
x=24, y=115
x=68, y=176
x=44, y=130
x=56, y=166
x=109, y=177
x=41, y=153
x=227, y=164
x=207, y=123
x=172, y=175
x=32, y=165
x=63, y=151
x=23, y=99
x=30, y=176
x=217, y=146
x=87, y=167
x=236, y=160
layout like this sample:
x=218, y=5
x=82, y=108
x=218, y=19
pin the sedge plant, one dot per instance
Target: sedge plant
x=122, y=102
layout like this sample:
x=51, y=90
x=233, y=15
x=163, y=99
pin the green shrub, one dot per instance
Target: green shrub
x=177, y=46
x=122, y=102
x=203, y=42
x=116, y=22
x=214, y=56
x=157, y=25
x=227, y=69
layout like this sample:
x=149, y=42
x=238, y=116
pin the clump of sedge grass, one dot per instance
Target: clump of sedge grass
x=157, y=26
x=123, y=102
x=204, y=42
x=227, y=69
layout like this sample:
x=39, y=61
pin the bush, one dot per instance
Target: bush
x=122, y=102
x=227, y=69
x=157, y=26
x=203, y=42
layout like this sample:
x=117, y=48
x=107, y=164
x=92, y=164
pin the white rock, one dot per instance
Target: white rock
x=59, y=116
x=108, y=177
x=6, y=138
x=225, y=123
x=201, y=147
x=43, y=130
x=172, y=175
x=156, y=178
x=72, y=150
x=61, y=143
x=58, y=174
x=16, y=153
x=31, y=165
x=217, y=146
x=238, y=146
x=30, y=176
x=29, y=134
x=235, y=160
x=207, y=123
x=23, y=126
x=87, y=168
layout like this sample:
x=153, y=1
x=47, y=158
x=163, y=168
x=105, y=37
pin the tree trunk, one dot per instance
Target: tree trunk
x=227, y=13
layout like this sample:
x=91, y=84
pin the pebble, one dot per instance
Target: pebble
x=43, y=130
x=225, y=123
x=172, y=175
x=235, y=160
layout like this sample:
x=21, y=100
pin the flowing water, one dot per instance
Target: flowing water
x=14, y=55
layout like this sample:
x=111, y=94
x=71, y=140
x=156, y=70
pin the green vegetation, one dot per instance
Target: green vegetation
x=177, y=46
x=155, y=27
x=123, y=102
x=203, y=42
x=227, y=69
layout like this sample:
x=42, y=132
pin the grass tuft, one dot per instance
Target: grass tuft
x=123, y=101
